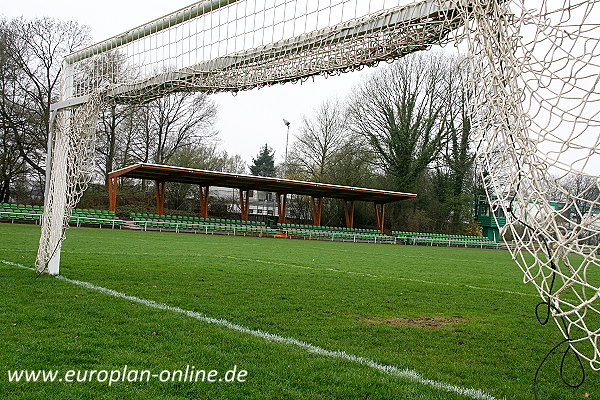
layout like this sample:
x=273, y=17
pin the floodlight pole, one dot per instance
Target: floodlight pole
x=287, y=138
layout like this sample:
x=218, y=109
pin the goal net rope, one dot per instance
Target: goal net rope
x=536, y=114
x=535, y=108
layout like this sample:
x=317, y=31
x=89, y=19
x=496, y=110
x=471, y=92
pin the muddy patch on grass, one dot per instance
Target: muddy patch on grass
x=421, y=322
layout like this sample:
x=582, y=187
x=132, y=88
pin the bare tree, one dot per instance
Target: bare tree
x=11, y=163
x=37, y=48
x=320, y=142
x=208, y=156
x=31, y=54
x=171, y=123
x=326, y=150
x=581, y=193
x=115, y=121
x=354, y=163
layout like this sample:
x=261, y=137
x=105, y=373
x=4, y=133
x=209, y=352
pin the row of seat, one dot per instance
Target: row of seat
x=26, y=212
x=443, y=239
x=23, y=212
x=334, y=233
x=17, y=207
x=89, y=211
x=426, y=234
x=369, y=237
x=206, y=227
x=212, y=225
x=175, y=219
x=327, y=228
x=102, y=220
x=95, y=217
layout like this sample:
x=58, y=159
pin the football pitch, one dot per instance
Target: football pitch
x=303, y=319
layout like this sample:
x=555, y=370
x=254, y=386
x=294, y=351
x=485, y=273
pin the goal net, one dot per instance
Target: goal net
x=535, y=108
x=536, y=113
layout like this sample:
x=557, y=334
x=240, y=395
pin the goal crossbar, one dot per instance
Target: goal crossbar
x=424, y=24
x=159, y=24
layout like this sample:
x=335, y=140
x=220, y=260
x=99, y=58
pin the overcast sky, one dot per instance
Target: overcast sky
x=247, y=120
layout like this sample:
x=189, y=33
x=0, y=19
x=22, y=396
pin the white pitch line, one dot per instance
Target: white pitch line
x=386, y=369
x=377, y=276
x=16, y=265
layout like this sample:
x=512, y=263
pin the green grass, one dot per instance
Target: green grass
x=438, y=311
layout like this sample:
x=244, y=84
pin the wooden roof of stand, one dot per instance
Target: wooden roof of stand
x=167, y=173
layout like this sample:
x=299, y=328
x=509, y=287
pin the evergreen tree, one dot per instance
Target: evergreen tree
x=400, y=113
x=264, y=164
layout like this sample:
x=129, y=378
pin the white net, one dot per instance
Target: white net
x=536, y=111
x=252, y=43
x=72, y=169
x=535, y=108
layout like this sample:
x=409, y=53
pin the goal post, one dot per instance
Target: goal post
x=56, y=180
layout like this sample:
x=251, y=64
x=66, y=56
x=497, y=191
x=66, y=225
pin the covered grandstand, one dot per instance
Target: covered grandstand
x=162, y=174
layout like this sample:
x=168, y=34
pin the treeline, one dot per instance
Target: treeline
x=405, y=128
x=176, y=129
x=30, y=60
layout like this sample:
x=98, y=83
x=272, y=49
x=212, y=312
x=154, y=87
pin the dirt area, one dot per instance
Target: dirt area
x=423, y=322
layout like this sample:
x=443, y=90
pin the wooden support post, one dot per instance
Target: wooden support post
x=159, y=189
x=204, y=201
x=379, y=215
x=282, y=206
x=317, y=209
x=113, y=183
x=349, y=212
x=245, y=204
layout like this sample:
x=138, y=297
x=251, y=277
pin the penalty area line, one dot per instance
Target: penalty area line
x=391, y=370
